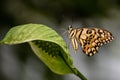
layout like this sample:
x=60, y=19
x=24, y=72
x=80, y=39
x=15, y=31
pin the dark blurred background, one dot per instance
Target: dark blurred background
x=17, y=62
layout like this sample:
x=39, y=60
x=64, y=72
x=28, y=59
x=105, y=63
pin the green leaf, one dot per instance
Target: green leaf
x=47, y=45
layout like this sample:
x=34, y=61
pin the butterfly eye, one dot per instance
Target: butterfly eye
x=70, y=27
x=89, y=31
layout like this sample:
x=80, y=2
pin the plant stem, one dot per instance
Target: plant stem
x=80, y=75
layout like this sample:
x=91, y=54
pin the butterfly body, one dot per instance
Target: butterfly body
x=90, y=39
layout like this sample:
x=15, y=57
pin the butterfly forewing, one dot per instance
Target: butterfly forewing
x=89, y=38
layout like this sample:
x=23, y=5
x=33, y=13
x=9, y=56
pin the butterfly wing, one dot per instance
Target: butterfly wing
x=74, y=44
x=72, y=35
x=92, y=38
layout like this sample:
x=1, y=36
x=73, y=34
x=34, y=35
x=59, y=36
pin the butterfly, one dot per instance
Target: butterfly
x=90, y=39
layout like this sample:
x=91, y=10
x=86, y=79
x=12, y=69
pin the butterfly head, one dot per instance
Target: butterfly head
x=70, y=28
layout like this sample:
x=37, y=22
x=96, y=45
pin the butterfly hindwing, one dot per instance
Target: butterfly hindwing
x=92, y=38
x=87, y=41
